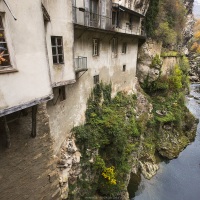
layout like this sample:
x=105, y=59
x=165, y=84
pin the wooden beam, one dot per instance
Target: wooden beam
x=7, y=131
x=34, y=121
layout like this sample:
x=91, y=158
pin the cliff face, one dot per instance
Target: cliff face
x=188, y=30
x=121, y=135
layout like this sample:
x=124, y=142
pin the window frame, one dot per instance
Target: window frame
x=96, y=79
x=95, y=47
x=114, y=45
x=6, y=68
x=124, y=48
x=57, y=46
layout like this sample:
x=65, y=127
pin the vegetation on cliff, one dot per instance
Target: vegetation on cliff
x=195, y=43
x=165, y=21
x=110, y=134
x=117, y=135
x=172, y=120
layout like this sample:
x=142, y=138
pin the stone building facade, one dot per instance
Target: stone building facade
x=52, y=53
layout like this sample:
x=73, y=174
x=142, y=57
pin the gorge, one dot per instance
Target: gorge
x=98, y=99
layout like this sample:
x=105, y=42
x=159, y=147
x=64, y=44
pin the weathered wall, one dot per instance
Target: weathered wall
x=27, y=169
x=60, y=12
x=71, y=112
x=28, y=55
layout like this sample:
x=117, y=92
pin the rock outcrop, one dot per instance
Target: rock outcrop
x=194, y=73
x=146, y=54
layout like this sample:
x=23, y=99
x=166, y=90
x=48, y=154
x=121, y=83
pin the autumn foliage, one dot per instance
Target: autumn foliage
x=166, y=20
x=196, y=39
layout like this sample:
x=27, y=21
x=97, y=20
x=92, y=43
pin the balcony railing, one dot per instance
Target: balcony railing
x=80, y=64
x=89, y=19
x=130, y=29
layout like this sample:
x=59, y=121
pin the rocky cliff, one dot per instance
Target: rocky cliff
x=122, y=134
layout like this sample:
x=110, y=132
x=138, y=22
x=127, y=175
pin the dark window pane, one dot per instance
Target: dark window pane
x=59, y=41
x=1, y=34
x=1, y=23
x=54, y=50
x=53, y=41
x=96, y=79
x=55, y=59
x=57, y=49
x=113, y=18
x=60, y=59
x=60, y=50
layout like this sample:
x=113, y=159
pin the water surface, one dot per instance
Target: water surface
x=179, y=179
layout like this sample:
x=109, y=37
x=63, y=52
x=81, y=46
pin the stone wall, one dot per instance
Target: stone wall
x=146, y=53
x=27, y=168
x=168, y=64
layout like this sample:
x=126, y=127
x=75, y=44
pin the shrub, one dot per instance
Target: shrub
x=175, y=80
x=156, y=62
x=166, y=34
x=109, y=129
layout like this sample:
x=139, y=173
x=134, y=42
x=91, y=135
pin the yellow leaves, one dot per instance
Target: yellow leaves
x=195, y=47
x=109, y=174
x=197, y=35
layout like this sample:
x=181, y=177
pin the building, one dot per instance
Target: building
x=52, y=56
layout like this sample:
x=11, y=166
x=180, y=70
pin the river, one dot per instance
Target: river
x=177, y=179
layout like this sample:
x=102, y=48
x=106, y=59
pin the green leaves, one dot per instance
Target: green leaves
x=109, y=129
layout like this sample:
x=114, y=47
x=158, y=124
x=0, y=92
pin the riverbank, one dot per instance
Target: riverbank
x=180, y=174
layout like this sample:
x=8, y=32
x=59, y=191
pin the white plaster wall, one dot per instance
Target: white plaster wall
x=71, y=112
x=61, y=24
x=26, y=43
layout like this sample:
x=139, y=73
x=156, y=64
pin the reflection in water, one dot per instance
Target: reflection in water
x=179, y=179
x=133, y=186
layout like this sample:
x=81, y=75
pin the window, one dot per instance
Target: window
x=4, y=54
x=124, y=47
x=124, y=68
x=59, y=94
x=114, y=45
x=62, y=93
x=115, y=18
x=96, y=79
x=130, y=22
x=94, y=13
x=57, y=49
x=95, y=47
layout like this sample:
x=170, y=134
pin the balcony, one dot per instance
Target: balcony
x=127, y=9
x=80, y=64
x=85, y=19
x=129, y=29
x=89, y=19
